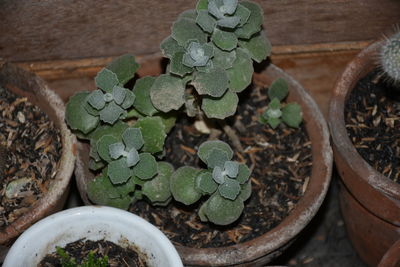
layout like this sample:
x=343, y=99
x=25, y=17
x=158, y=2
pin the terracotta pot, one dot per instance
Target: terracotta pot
x=27, y=84
x=261, y=250
x=370, y=202
x=391, y=257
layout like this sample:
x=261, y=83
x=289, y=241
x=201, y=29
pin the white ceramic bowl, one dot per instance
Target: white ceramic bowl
x=94, y=223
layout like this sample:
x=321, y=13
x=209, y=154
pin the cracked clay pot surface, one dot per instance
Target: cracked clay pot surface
x=264, y=248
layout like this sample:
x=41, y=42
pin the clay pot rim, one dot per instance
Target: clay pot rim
x=298, y=218
x=59, y=186
x=363, y=63
x=392, y=256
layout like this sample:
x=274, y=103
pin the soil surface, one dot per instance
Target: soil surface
x=79, y=250
x=372, y=115
x=281, y=162
x=30, y=147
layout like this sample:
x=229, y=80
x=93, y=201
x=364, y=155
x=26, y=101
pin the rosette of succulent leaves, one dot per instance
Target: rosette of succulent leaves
x=277, y=112
x=390, y=58
x=124, y=143
x=211, y=51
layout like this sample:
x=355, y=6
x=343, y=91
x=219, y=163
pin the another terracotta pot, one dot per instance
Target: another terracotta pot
x=27, y=84
x=391, y=257
x=261, y=250
x=370, y=202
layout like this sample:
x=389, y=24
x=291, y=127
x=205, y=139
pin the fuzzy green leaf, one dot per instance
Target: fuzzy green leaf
x=115, y=130
x=106, y=80
x=229, y=22
x=119, y=94
x=202, y=5
x=185, y=29
x=243, y=174
x=217, y=157
x=205, y=21
x=222, y=211
x=118, y=171
x=182, y=185
x=167, y=93
x=133, y=138
x=220, y=108
x=231, y=168
x=273, y=122
x=132, y=158
x=142, y=91
x=168, y=119
x=197, y=55
x=129, y=99
x=243, y=13
x=230, y=189
x=157, y=189
x=153, y=132
x=124, y=67
x=245, y=191
x=292, y=115
x=146, y=168
x=189, y=14
x=96, y=99
x=103, y=145
x=76, y=115
x=95, y=165
x=258, y=46
x=253, y=24
x=177, y=65
x=274, y=108
x=111, y=113
x=225, y=40
x=205, y=182
x=169, y=46
x=206, y=148
x=279, y=89
x=213, y=83
x=242, y=71
x=116, y=150
x=223, y=59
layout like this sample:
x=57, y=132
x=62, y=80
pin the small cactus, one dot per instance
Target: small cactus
x=390, y=57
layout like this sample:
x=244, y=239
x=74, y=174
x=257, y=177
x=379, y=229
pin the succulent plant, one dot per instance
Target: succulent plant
x=226, y=182
x=276, y=113
x=211, y=49
x=390, y=57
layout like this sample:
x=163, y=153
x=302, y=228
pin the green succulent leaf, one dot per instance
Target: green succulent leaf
x=241, y=73
x=103, y=145
x=220, y=108
x=157, y=189
x=142, y=91
x=202, y=5
x=253, y=24
x=132, y=157
x=197, y=55
x=213, y=83
x=118, y=171
x=167, y=93
x=205, y=21
x=189, y=14
x=243, y=13
x=292, y=115
x=183, y=185
x=76, y=115
x=168, y=119
x=133, y=138
x=153, y=132
x=146, y=168
x=96, y=99
x=225, y=40
x=245, y=191
x=129, y=100
x=111, y=113
x=230, y=189
x=185, y=29
x=279, y=89
x=205, y=182
x=223, y=59
x=106, y=80
x=274, y=108
x=116, y=150
x=273, y=122
x=206, y=148
x=177, y=65
x=231, y=168
x=169, y=46
x=217, y=157
x=243, y=174
x=119, y=94
x=218, y=175
x=258, y=46
x=115, y=130
x=124, y=67
x=223, y=211
x=95, y=165
x=228, y=22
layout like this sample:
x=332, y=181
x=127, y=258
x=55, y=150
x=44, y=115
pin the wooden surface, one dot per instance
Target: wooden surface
x=33, y=30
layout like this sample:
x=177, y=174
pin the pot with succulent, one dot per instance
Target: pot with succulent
x=185, y=143
x=364, y=119
x=36, y=152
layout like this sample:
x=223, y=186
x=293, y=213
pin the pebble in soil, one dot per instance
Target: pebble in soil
x=372, y=115
x=30, y=147
x=281, y=161
x=118, y=256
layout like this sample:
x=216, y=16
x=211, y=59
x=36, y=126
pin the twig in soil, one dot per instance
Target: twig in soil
x=232, y=135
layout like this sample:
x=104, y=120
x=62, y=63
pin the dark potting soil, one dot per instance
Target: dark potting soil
x=79, y=250
x=281, y=161
x=30, y=147
x=372, y=116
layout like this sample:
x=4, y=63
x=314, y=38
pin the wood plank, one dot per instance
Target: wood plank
x=72, y=29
